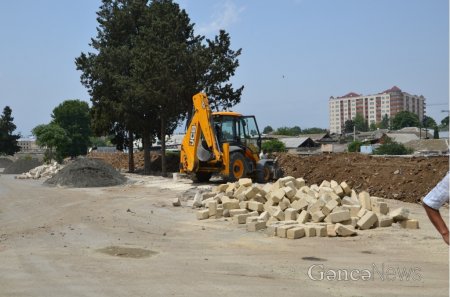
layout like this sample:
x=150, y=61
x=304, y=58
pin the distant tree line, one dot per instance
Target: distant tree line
x=292, y=131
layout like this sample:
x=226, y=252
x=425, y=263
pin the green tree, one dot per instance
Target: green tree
x=360, y=123
x=273, y=145
x=384, y=124
x=289, y=131
x=54, y=138
x=8, y=140
x=354, y=146
x=428, y=122
x=405, y=119
x=348, y=126
x=444, y=122
x=313, y=130
x=372, y=126
x=267, y=130
x=392, y=148
x=73, y=117
x=436, y=132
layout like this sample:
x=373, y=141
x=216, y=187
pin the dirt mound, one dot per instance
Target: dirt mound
x=22, y=165
x=5, y=162
x=86, y=173
x=406, y=179
x=120, y=160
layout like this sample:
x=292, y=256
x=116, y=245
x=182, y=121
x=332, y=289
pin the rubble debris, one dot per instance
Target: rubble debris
x=43, y=171
x=289, y=208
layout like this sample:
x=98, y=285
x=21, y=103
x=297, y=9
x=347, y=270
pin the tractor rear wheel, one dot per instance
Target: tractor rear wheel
x=203, y=177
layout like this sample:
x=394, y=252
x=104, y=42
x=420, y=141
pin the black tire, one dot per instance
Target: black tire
x=238, y=167
x=203, y=177
x=263, y=173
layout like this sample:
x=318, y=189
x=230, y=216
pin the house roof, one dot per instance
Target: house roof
x=402, y=137
x=428, y=145
x=392, y=90
x=351, y=94
x=294, y=142
x=316, y=137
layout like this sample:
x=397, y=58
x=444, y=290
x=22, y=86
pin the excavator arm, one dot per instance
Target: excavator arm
x=200, y=142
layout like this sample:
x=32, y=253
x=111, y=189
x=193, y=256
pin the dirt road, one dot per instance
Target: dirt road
x=129, y=241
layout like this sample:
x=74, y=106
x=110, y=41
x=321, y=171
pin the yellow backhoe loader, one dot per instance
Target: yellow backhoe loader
x=226, y=143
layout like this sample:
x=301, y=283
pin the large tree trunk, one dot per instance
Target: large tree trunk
x=130, y=151
x=146, y=141
x=163, y=147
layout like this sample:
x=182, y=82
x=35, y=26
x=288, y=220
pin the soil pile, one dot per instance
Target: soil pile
x=22, y=165
x=5, y=162
x=119, y=160
x=403, y=178
x=86, y=173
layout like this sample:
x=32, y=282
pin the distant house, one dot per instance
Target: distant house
x=319, y=138
x=299, y=144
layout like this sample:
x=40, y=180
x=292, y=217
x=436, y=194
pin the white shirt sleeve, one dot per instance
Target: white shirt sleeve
x=439, y=195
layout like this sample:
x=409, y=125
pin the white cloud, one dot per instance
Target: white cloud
x=223, y=17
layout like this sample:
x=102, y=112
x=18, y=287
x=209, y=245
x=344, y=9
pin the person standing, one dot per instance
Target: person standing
x=433, y=201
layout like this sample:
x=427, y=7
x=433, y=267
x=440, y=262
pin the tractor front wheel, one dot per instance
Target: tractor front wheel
x=238, y=167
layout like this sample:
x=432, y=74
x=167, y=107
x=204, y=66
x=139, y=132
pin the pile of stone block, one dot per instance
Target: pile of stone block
x=289, y=208
x=43, y=171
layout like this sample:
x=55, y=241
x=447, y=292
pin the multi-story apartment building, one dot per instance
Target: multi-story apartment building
x=372, y=107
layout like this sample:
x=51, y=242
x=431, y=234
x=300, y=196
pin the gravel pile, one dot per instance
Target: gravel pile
x=86, y=173
x=5, y=162
x=21, y=166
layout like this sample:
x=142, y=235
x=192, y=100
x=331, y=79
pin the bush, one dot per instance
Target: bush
x=393, y=148
x=273, y=145
x=354, y=146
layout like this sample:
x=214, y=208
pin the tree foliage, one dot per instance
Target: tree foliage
x=267, y=130
x=392, y=148
x=8, y=140
x=405, y=119
x=428, y=122
x=273, y=145
x=147, y=65
x=289, y=131
x=73, y=117
x=348, y=126
x=354, y=146
x=384, y=124
x=313, y=130
x=444, y=122
x=54, y=138
x=360, y=123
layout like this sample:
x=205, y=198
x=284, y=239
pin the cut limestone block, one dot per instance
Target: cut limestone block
x=260, y=198
x=364, y=200
x=251, y=192
x=252, y=219
x=380, y=207
x=219, y=213
x=299, y=204
x=271, y=221
x=277, y=195
x=325, y=183
x=272, y=229
x=279, y=214
x=321, y=231
x=337, y=217
x=367, y=221
x=303, y=217
x=282, y=230
x=314, y=188
x=410, y=224
x=338, y=190
x=264, y=216
x=333, y=183
x=197, y=200
x=399, y=214
x=329, y=206
x=226, y=213
x=346, y=188
x=243, y=204
x=290, y=192
x=330, y=231
x=290, y=214
x=212, y=207
x=240, y=218
x=255, y=226
x=344, y=230
x=246, y=182
x=225, y=198
x=299, y=182
x=284, y=203
x=176, y=202
x=202, y=214
x=256, y=206
x=384, y=221
x=296, y=232
x=235, y=212
x=267, y=188
x=318, y=205
x=232, y=204
x=310, y=231
x=353, y=209
x=317, y=216
x=361, y=212
x=350, y=201
x=239, y=191
x=271, y=209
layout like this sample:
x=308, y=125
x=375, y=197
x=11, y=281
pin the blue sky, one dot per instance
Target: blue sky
x=295, y=53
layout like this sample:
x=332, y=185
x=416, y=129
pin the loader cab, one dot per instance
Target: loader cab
x=237, y=130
